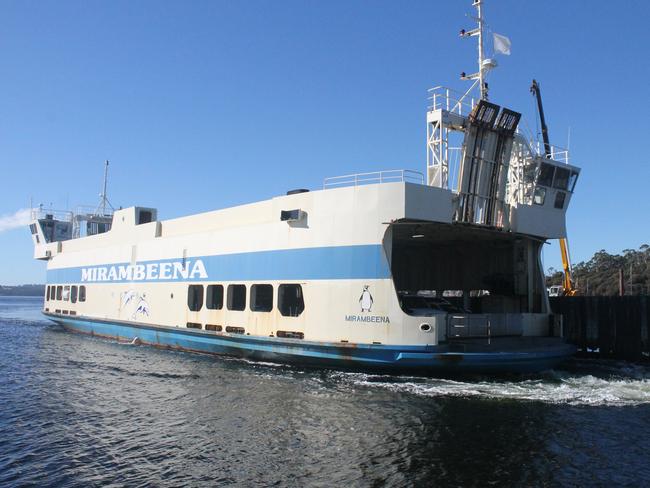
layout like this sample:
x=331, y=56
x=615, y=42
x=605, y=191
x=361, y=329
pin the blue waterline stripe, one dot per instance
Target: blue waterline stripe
x=320, y=263
x=255, y=347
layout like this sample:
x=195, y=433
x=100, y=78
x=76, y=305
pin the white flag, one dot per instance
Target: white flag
x=501, y=44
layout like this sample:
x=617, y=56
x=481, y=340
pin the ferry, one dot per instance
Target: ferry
x=397, y=270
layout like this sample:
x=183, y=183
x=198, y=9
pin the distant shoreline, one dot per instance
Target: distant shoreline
x=22, y=290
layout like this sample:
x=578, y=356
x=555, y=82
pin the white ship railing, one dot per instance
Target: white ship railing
x=68, y=215
x=389, y=176
x=558, y=154
x=48, y=213
x=88, y=210
x=450, y=100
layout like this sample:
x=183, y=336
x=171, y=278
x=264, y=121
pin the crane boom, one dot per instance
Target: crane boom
x=569, y=287
x=535, y=90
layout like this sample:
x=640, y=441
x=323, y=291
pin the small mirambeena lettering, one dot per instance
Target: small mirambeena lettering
x=375, y=319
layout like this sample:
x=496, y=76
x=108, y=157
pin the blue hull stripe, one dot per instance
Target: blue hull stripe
x=390, y=357
x=318, y=263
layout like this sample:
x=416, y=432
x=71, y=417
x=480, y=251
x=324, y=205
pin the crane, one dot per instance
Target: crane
x=567, y=283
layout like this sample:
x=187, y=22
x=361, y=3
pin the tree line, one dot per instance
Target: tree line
x=600, y=276
x=22, y=290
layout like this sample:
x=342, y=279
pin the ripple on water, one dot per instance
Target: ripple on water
x=79, y=411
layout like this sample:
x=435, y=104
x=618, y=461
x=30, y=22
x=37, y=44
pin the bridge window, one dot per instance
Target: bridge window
x=214, y=297
x=59, y=292
x=261, y=298
x=559, y=199
x=290, y=300
x=539, y=196
x=145, y=216
x=47, y=293
x=561, y=181
x=236, y=297
x=195, y=297
x=66, y=293
x=545, y=177
x=52, y=290
x=82, y=293
x=572, y=181
x=73, y=294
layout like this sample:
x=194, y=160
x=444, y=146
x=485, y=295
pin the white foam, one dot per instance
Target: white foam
x=557, y=387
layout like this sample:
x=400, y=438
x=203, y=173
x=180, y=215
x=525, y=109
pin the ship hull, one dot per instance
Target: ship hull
x=424, y=359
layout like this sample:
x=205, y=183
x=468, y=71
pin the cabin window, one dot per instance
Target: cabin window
x=539, y=196
x=73, y=294
x=561, y=181
x=214, y=297
x=82, y=293
x=52, y=292
x=559, y=199
x=290, y=300
x=236, y=297
x=572, y=181
x=145, y=216
x=545, y=177
x=59, y=292
x=261, y=298
x=47, y=293
x=193, y=325
x=213, y=327
x=66, y=293
x=195, y=297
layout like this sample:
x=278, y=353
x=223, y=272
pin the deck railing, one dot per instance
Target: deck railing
x=389, y=176
x=445, y=98
x=48, y=213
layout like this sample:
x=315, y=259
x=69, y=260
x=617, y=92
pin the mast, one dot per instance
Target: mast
x=479, y=19
x=101, y=208
x=484, y=64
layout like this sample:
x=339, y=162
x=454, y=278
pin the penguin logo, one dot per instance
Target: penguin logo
x=365, y=300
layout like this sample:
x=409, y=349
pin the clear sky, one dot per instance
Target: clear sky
x=205, y=104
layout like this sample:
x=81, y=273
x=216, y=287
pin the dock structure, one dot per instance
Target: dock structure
x=615, y=327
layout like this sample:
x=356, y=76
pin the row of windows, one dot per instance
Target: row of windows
x=290, y=298
x=66, y=293
x=557, y=177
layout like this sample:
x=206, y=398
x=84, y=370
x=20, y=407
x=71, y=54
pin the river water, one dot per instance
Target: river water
x=81, y=411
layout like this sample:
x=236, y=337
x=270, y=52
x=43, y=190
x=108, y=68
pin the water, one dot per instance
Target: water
x=78, y=411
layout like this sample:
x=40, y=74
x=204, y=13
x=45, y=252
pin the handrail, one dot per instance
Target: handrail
x=376, y=177
x=451, y=100
x=39, y=213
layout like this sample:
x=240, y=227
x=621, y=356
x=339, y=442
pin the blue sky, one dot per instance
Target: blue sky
x=202, y=105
